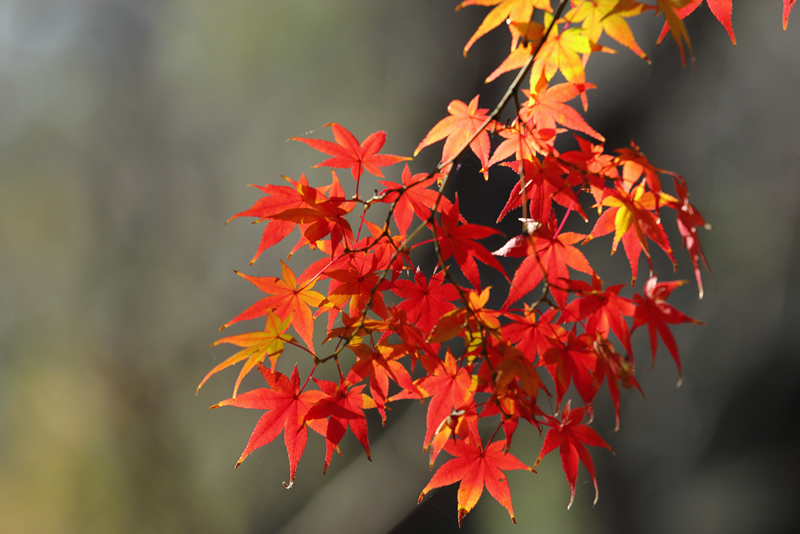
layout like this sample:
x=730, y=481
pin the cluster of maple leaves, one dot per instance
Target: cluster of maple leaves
x=474, y=363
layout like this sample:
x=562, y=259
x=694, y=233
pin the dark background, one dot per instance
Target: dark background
x=128, y=132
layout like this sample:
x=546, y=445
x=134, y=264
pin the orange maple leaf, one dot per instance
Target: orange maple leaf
x=475, y=467
x=287, y=300
x=257, y=347
x=511, y=10
x=464, y=121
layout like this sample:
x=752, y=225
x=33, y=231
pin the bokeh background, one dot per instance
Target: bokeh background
x=128, y=132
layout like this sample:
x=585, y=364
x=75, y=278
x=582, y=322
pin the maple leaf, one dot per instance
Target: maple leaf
x=475, y=467
x=547, y=107
x=531, y=335
x=321, y=216
x=689, y=219
x=674, y=20
x=380, y=364
x=545, y=254
x=598, y=16
x=722, y=9
x=610, y=364
x=511, y=10
x=425, y=300
x=561, y=52
x=287, y=300
x=632, y=216
x=349, y=154
x=412, y=339
x=653, y=310
x=513, y=401
x=465, y=120
x=457, y=322
x=461, y=423
x=572, y=361
x=511, y=368
x=459, y=241
x=787, y=8
x=449, y=386
x=544, y=184
x=634, y=165
x=523, y=143
x=604, y=310
x=411, y=197
x=344, y=407
x=257, y=347
x=569, y=435
x=286, y=408
x=591, y=165
x=278, y=198
x=533, y=33
x=358, y=283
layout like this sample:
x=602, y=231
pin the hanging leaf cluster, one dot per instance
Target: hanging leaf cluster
x=483, y=359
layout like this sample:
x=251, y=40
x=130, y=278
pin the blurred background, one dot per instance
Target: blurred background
x=128, y=134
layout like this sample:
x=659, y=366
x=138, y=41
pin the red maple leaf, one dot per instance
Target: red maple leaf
x=722, y=9
x=569, y=435
x=610, y=364
x=604, y=310
x=514, y=384
x=278, y=198
x=533, y=335
x=412, y=196
x=425, y=300
x=689, y=219
x=320, y=216
x=344, y=407
x=358, y=282
x=545, y=254
x=572, y=361
x=459, y=241
x=544, y=184
x=475, y=467
x=653, y=310
x=286, y=408
x=450, y=387
x=380, y=364
x=349, y=154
